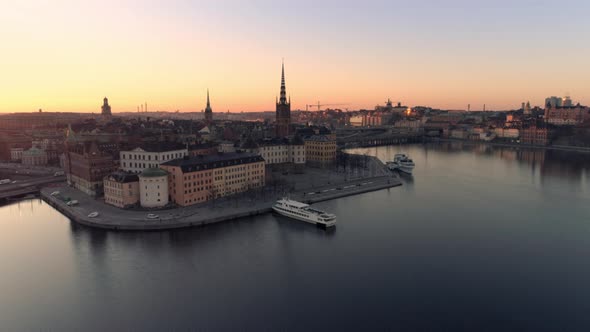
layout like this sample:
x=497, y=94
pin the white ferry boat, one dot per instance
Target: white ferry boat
x=304, y=212
x=401, y=162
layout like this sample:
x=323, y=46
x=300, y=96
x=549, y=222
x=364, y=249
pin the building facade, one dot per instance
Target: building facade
x=121, y=189
x=34, y=157
x=566, y=115
x=535, y=135
x=320, y=150
x=194, y=180
x=16, y=154
x=282, y=152
x=153, y=188
x=150, y=156
x=86, y=166
x=283, y=110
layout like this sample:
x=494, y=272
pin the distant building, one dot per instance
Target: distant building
x=153, y=188
x=34, y=157
x=535, y=135
x=282, y=152
x=283, y=110
x=226, y=147
x=202, y=149
x=16, y=154
x=121, y=189
x=199, y=179
x=106, y=108
x=208, y=111
x=566, y=115
x=150, y=156
x=320, y=150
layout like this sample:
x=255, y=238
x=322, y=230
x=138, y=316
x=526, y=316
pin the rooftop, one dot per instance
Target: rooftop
x=122, y=177
x=153, y=173
x=161, y=147
x=197, y=163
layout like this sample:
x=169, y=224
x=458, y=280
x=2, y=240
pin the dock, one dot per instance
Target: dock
x=226, y=209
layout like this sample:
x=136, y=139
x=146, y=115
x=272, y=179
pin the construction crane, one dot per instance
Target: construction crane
x=319, y=106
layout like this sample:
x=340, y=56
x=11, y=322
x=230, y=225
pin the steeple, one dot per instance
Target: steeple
x=283, y=99
x=283, y=110
x=208, y=103
x=208, y=110
x=106, y=108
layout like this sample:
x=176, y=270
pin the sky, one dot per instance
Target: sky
x=62, y=55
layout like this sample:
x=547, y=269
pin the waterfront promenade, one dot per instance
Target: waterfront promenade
x=223, y=209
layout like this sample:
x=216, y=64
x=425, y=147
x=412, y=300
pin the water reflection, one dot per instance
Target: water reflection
x=544, y=163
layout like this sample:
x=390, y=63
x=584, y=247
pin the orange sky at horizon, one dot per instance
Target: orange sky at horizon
x=65, y=56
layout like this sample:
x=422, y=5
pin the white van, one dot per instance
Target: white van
x=5, y=181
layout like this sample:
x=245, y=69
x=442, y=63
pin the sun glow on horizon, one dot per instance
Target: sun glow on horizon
x=67, y=55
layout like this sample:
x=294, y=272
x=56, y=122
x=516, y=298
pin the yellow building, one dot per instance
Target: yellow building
x=320, y=150
x=198, y=179
x=121, y=189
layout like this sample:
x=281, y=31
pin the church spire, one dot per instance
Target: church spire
x=208, y=111
x=283, y=99
x=208, y=103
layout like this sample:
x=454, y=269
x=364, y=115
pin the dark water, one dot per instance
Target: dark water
x=479, y=239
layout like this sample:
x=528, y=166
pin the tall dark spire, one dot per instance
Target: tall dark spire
x=283, y=99
x=208, y=110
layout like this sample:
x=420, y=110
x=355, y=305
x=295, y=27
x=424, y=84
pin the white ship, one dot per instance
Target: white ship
x=401, y=162
x=304, y=212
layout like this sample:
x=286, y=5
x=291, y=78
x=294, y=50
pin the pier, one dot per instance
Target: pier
x=219, y=210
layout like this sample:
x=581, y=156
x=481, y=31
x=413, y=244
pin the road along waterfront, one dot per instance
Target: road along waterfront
x=227, y=209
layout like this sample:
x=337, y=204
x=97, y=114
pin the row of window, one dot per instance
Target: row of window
x=166, y=157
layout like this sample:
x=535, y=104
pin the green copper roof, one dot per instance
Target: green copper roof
x=153, y=172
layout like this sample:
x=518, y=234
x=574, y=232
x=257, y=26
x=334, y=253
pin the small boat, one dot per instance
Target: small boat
x=72, y=203
x=304, y=212
x=401, y=162
x=93, y=214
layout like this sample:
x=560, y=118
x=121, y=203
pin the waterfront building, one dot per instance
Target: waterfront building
x=566, y=115
x=208, y=111
x=320, y=150
x=86, y=166
x=16, y=154
x=358, y=120
x=121, y=189
x=535, y=135
x=106, y=108
x=510, y=133
x=199, y=179
x=153, y=188
x=34, y=157
x=150, y=156
x=283, y=110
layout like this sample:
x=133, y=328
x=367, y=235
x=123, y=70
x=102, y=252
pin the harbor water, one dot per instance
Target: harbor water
x=480, y=238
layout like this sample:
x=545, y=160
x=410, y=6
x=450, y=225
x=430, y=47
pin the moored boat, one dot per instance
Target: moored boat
x=304, y=212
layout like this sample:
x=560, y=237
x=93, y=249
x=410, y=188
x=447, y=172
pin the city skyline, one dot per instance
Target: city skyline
x=65, y=56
